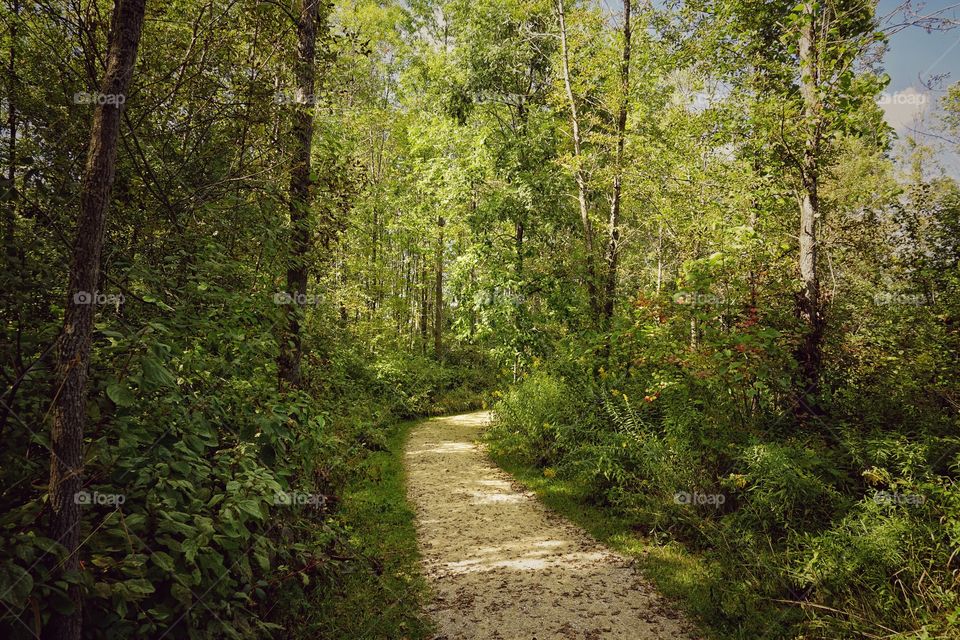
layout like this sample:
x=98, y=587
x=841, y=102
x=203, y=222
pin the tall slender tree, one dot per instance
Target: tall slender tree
x=613, y=231
x=438, y=293
x=73, y=346
x=10, y=195
x=291, y=346
x=579, y=172
x=814, y=18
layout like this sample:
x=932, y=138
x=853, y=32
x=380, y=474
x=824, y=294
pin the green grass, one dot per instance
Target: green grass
x=686, y=579
x=384, y=597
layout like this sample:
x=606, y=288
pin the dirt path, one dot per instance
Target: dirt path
x=502, y=567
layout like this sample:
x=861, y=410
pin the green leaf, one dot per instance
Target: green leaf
x=163, y=560
x=251, y=507
x=190, y=548
x=15, y=585
x=155, y=374
x=120, y=394
x=139, y=586
x=181, y=593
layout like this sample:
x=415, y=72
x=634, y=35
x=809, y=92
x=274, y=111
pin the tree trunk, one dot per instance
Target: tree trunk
x=809, y=304
x=423, y=305
x=73, y=345
x=659, y=257
x=438, y=295
x=10, y=195
x=579, y=173
x=291, y=348
x=613, y=241
x=9, y=240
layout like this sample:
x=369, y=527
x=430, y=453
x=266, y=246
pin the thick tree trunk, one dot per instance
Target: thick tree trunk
x=613, y=240
x=809, y=305
x=73, y=345
x=291, y=348
x=579, y=173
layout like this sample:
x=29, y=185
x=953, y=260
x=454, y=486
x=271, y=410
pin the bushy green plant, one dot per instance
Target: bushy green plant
x=786, y=486
x=886, y=559
x=219, y=495
x=531, y=419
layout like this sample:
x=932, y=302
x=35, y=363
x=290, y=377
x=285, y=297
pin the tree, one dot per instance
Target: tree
x=809, y=354
x=830, y=39
x=579, y=171
x=73, y=346
x=438, y=293
x=291, y=345
x=613, y=240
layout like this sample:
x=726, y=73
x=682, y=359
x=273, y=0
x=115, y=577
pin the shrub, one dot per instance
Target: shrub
x=532, y=418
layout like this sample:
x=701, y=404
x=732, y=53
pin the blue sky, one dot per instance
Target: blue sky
x=922, y=65
x=915, y=54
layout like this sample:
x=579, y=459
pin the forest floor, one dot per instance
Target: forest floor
x=501, y=566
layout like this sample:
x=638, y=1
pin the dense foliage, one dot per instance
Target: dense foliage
x=671, y=357
x=210, y=499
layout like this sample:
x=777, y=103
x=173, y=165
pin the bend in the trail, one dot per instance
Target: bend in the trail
x=504, y=567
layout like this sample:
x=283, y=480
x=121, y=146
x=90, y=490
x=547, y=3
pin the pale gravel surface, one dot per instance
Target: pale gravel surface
x=502, y=567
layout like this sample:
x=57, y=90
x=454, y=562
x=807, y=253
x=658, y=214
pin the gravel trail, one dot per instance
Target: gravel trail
x=503, y=567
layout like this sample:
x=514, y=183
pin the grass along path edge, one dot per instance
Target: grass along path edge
x=683, y=577
x=384, y=599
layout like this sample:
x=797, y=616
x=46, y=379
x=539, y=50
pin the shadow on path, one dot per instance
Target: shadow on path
x=503, y=567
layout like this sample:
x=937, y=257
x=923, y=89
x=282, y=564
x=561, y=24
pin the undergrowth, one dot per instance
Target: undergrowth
x=760, y=528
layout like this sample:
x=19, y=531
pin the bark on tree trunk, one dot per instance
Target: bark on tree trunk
x=423, y=305
x=73, y=345
x=438, y=295
x=579, y=173
x=291, y=348
x=11, y=210
x=613, y=241
x=9, y=194
x=659, y=257
x=809, y=306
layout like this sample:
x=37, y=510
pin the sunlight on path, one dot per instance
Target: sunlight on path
x=503, y=567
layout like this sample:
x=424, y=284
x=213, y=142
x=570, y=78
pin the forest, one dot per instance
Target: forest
x=708, y=295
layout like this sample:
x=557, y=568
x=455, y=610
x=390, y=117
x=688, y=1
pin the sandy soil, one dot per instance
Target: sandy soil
x=503, y=567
